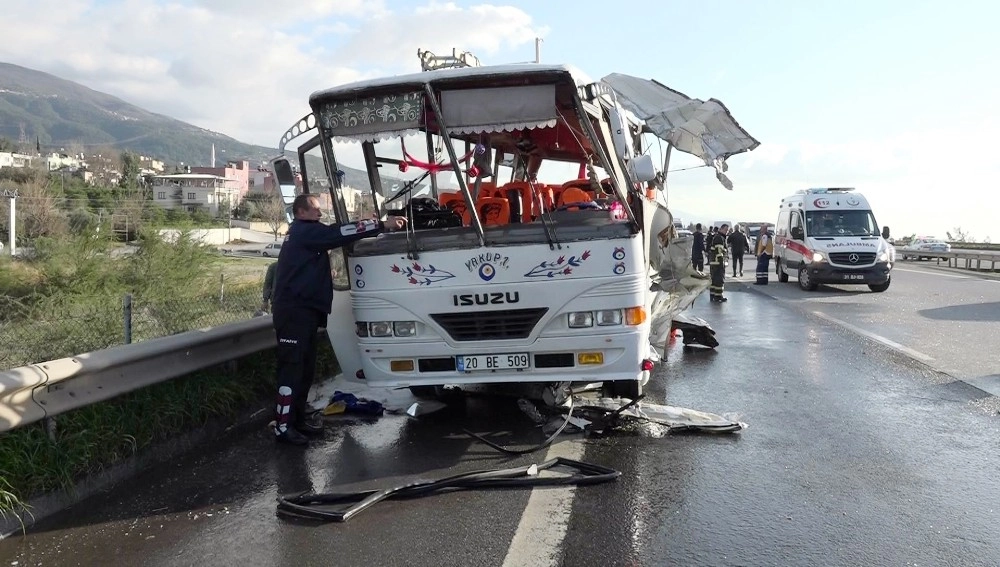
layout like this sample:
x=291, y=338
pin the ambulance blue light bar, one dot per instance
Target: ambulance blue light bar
x=829, y=189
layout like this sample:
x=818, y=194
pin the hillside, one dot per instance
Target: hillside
x=63, y=114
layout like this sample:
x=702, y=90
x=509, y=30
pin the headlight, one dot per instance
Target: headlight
x=609, y=317
x=404, y=328
x=581, y=319
x=380, y=328
x=884, y=256
x=818, y=257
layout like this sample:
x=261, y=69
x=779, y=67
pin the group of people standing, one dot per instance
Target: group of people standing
x=716, y=246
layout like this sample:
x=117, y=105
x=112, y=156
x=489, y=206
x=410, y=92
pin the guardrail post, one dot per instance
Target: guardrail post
x=50, y=427
x=222, y=288
x=127, y=317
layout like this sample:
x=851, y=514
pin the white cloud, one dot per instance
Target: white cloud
x=926, y=181
x=241, y=67
x=766, y=154
x=388, y=40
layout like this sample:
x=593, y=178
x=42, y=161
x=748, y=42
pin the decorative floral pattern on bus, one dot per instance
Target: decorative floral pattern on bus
x=370, y=115
x=422, y=275
x=563, y=266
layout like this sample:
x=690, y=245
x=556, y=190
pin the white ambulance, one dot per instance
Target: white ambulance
x=829, y=236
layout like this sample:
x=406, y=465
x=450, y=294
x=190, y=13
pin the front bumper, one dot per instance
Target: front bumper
x=552, y=359
x=822, y=272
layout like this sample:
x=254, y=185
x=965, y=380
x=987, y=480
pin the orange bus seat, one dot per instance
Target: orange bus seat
x=583, y=183
x=455, y=202
x=446, y=197
x=486, y=188
x=493, y=211
x=519, y=194
x=547, y=198
x=555, y=192
x=575, y=195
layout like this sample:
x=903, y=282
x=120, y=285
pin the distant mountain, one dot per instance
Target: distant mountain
x=63, y=114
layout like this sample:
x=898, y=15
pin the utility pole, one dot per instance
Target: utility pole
x=12, y=195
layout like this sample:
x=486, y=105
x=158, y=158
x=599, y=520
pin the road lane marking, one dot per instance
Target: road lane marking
x=878, y=338
x=933, y=273
x=542, y=529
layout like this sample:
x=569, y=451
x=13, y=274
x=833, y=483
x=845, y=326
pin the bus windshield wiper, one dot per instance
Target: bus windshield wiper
x=550, y=234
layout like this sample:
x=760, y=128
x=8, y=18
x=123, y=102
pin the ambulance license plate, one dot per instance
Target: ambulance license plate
x=854, y=276
x=473, y=362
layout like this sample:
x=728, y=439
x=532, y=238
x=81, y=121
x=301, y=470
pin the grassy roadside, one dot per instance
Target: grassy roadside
x=91, y=439
x=172, y=279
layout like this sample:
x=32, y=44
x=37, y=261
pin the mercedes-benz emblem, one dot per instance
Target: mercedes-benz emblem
x=853, y=258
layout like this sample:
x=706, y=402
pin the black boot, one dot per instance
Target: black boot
x=310, y=425
x=290, y=436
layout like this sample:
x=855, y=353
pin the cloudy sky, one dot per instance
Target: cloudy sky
x=896, y=98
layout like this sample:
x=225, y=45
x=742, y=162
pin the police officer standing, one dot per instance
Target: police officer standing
x=717, y=264
x=303, y=294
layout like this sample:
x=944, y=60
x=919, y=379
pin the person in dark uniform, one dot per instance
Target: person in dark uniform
x=764, y=251
x=698, y=249
x=267, y=290
x=717, y=264
x=708, y=243
x=739, y=244
x=301, y=301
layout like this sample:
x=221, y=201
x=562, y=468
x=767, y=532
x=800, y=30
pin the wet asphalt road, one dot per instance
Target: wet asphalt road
x=855, y=455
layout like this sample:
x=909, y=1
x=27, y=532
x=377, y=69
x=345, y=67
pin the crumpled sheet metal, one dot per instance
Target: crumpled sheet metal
x=673, y=417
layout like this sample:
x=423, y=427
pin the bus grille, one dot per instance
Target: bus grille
x=490, y=325
x=844, y=258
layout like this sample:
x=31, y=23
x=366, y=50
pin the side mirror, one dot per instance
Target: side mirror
x=286, y=183
x=642, y=169
x=797, y=233
x=885, y=232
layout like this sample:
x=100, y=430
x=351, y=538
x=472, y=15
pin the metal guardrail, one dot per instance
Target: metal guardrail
x=37, y=391
x=967, y=256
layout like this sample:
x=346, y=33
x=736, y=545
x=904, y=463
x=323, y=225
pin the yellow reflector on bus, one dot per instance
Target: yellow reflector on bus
x=635, y=315
x=401, y=365
x=590, y=358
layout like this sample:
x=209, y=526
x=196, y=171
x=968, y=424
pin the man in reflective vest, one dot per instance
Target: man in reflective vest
x=764, y=250
x=717, y=264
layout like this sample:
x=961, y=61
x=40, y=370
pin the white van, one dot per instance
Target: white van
x=830, y=236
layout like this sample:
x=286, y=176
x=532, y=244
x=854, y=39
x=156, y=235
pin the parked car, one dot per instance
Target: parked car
x=926, y=244
x=271, y=249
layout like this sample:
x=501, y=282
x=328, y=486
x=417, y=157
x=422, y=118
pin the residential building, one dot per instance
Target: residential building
x=14, y=159
x=262, y=181
x=196, y=190
x=238, y=173
x=151, y=165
